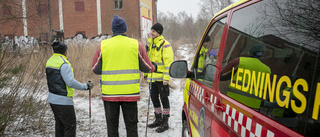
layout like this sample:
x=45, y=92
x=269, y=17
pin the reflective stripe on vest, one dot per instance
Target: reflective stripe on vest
x=120, y=66
x=120, y=82
x=54, y=63
x=246, y=98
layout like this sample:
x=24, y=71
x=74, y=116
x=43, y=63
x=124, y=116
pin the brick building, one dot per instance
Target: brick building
x=90, y=17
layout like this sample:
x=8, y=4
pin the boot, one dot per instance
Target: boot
x=157, y=122
x=164, y=125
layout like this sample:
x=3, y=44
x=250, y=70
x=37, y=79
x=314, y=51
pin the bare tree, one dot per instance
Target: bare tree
x=12, y=14
x=299, y=21
x=184, y=28
x=21, y=76
x=40, y=16
x=210, y=7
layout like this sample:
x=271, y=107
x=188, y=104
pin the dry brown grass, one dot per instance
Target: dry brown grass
x=22, y=79
x=81, y=60
x=17, y=98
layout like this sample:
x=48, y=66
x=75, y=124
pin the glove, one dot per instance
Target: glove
x=90, y=85
x=212, y=53
x=155, y=66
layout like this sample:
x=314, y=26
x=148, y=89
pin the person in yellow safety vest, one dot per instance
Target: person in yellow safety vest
x=119, y=61
x=61, y=85
x=203, y=54
x=253, y=64
x=160, y=52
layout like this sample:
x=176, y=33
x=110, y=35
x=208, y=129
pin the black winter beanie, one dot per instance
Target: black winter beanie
x=59, y=47
x=158, y=28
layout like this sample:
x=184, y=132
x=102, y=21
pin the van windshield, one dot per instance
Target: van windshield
x=271, y=62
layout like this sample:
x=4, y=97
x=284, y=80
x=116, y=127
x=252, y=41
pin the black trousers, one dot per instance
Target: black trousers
x=130, y=116
x=65, y=120
x=163, y=90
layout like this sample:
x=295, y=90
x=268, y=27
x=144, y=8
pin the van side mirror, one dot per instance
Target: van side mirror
x=178, y=69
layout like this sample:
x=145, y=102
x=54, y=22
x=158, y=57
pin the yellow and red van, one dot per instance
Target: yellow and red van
x=256, y=72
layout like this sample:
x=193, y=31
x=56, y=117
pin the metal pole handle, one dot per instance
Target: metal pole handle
x=148, y=106
x=89, y=109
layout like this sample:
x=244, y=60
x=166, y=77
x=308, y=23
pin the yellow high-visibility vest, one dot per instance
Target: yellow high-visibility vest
x=254, y=65
x=120, y=66
x=202, y=58
x=56, y=84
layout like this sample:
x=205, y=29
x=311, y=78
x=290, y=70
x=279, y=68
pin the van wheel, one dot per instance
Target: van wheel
x=185, y=129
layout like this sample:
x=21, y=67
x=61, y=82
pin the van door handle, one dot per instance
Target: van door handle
x=219, y=107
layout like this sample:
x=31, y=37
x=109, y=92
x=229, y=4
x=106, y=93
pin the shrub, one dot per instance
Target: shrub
x=20, y=78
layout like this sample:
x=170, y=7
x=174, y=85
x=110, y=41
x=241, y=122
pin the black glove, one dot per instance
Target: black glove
x=155, y=66
x=90, y=85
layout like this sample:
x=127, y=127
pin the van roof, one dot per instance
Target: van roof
x=230, y=6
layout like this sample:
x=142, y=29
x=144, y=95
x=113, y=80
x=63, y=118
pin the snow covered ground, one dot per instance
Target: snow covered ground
x=98, y=122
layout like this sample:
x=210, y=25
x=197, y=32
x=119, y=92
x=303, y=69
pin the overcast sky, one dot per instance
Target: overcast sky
x=176, y=6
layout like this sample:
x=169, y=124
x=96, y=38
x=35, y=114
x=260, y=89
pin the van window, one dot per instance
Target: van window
x=271, y=62
x=207, y=55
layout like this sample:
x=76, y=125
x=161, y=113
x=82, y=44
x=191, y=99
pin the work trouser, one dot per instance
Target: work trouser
x=163, y=90
x=130, y=116
x=65, y=117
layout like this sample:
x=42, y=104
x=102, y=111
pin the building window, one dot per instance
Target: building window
x=6, y=10
x=149, y=14
x=118, y=4
x=42, y=9
x=79, y=6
